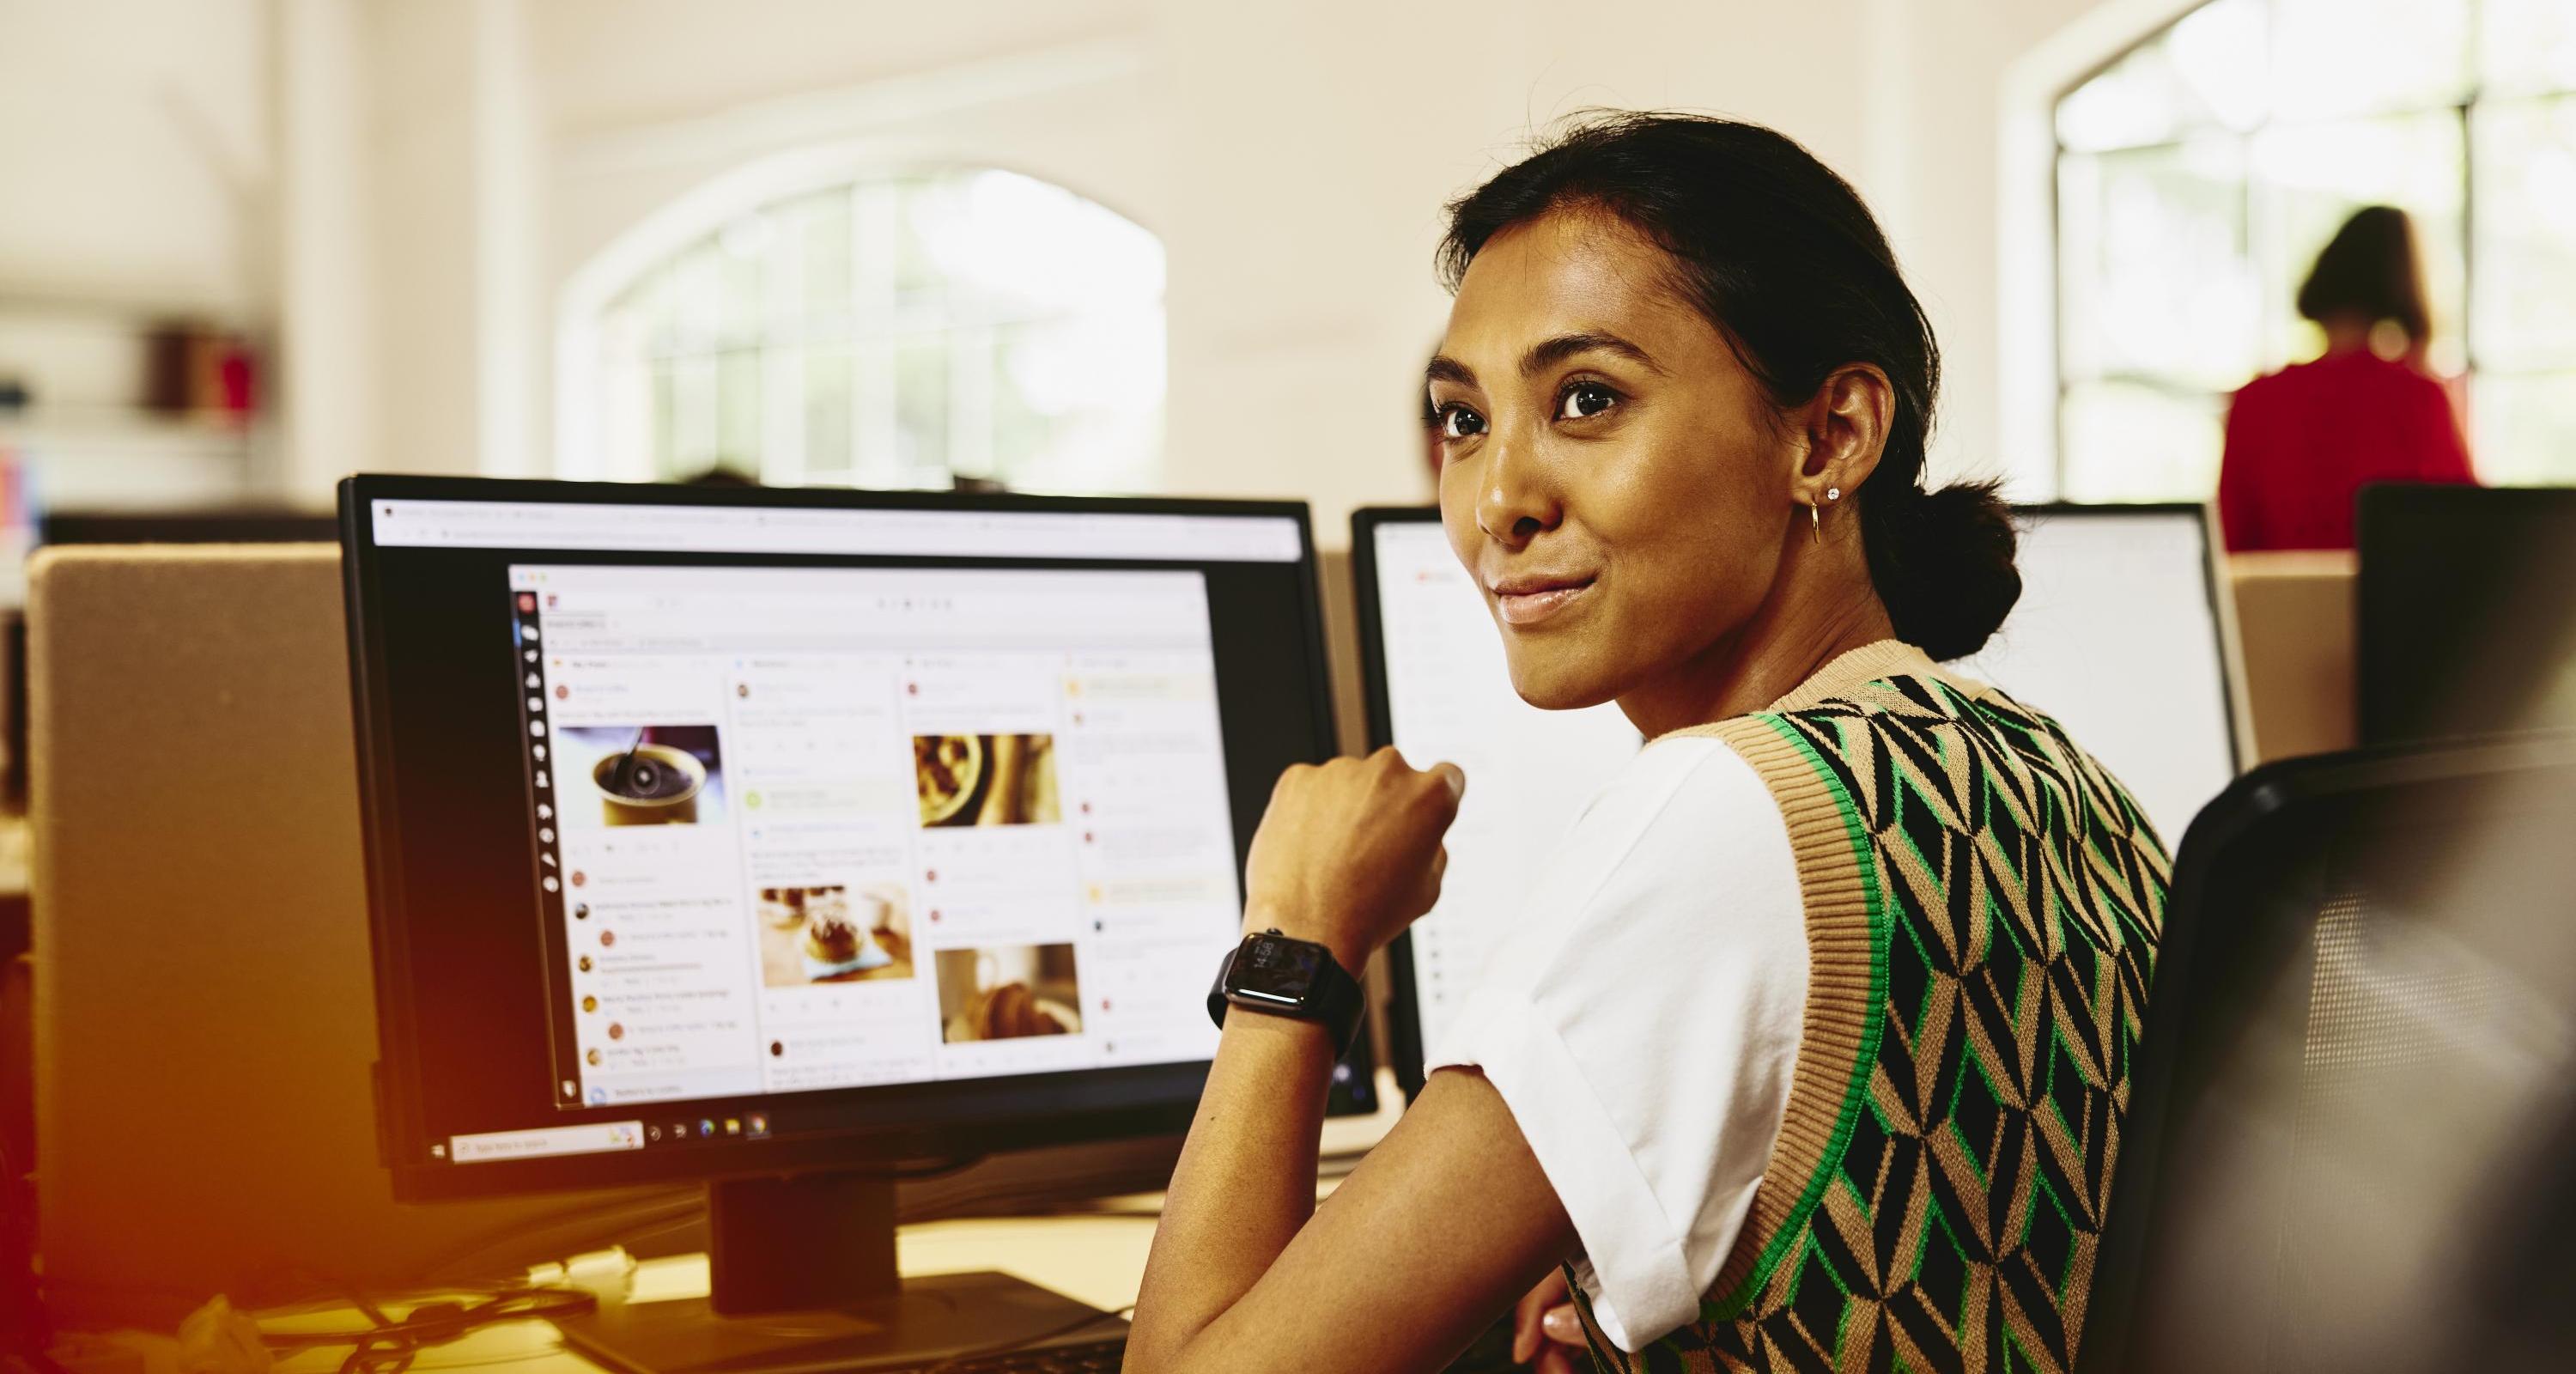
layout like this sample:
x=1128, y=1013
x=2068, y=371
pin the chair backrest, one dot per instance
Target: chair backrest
x=205, y=1000
x=2356, y=1076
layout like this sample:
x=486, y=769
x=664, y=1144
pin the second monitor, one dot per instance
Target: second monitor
x=2117, y=634
x=2465, y=612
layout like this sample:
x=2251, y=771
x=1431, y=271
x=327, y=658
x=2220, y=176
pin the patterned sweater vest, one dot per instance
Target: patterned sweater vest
x=1982, y=904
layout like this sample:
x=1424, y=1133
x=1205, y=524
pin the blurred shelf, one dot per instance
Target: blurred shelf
x=142, y=305
x=91, y=422
x=111, y=459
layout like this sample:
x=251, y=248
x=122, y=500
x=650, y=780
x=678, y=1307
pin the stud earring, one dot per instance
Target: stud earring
x=1833, y=493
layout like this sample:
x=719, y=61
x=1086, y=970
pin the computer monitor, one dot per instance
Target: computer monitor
x=2465, y=611
x=2117, y=634
x=773, y=838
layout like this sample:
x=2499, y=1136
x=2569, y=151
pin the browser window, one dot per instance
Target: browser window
x=804, y=828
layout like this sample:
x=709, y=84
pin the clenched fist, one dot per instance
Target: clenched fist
x=1349, y=852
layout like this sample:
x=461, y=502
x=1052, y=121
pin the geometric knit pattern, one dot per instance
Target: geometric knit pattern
x=1983, y=907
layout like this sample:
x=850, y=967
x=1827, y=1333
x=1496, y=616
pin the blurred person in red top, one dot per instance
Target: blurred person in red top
x=2304, y=440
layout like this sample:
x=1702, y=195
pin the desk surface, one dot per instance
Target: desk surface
x=1096, y=1258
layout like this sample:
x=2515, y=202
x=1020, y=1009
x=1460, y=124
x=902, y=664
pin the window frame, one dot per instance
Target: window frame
x=581, y=448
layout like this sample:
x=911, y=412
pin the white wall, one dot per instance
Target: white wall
x=136, y=161
x=326, y=389
x=1303, y=303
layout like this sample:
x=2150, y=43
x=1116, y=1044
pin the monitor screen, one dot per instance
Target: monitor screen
x=1440, y=692
x=2465, y=612
x=2116, y=635
x=736, y=831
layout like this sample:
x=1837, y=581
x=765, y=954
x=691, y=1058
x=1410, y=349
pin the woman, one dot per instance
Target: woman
x=2303, y=441
x=1808, y=1045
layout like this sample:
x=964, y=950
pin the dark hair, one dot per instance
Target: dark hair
x=1780, y=255
x=2369, y=269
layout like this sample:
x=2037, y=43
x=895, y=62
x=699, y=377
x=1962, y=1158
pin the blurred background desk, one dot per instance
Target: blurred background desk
x=2294, y=617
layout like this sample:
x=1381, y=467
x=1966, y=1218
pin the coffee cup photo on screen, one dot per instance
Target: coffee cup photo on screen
x=985, y=779
x=641, y=775
x=833, y=934
x=1007, y=992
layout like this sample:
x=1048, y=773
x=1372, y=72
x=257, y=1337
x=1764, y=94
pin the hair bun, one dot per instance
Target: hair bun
x=1943, y=564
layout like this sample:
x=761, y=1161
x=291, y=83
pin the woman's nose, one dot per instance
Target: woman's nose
x=1514, y=502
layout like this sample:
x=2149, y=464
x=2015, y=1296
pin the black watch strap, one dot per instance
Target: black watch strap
x=1334, y=1000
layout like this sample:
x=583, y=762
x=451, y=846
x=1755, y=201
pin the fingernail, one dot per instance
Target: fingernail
x=1562, y=1326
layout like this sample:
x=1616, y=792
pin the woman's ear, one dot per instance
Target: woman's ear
x=1845, y=427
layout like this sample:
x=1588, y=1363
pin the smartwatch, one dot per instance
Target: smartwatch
x=1270, y=972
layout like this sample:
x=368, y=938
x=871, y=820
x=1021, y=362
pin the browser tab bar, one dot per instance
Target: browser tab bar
x=1121, y=535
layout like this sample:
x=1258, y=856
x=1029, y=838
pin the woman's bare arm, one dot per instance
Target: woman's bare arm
x=1447, y=1222
x=1437, y=1233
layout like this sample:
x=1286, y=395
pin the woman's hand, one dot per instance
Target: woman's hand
x=1547, y=1335
x=1349, y=853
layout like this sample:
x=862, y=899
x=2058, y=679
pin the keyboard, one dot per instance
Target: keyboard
x=1090, y=1357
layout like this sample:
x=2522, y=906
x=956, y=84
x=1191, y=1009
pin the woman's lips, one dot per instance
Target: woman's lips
x=1524, y=604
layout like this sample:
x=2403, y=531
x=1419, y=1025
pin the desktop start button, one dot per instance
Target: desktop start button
x=562, y=1140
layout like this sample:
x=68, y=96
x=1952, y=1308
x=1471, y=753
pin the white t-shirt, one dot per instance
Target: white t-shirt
x=1643, y=1020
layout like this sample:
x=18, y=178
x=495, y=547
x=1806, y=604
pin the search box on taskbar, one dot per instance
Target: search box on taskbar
x=561, y=1140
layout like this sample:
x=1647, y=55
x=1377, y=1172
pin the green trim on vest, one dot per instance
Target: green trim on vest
x=1856, y=1093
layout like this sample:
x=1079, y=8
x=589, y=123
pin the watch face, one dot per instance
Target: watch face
x=1275, y=968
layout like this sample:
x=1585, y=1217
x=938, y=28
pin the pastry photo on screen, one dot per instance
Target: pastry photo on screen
x=833, y=934
x=1007, y=992
x=985, y=779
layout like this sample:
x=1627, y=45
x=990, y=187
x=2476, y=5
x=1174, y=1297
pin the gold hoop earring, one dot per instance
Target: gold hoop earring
x=1816, y=522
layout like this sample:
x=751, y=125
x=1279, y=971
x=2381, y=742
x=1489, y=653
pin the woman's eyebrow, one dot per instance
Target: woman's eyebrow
x=1548, y=353
x=1444, y=368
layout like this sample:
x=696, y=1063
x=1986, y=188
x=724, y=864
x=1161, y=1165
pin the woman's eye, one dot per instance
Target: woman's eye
x=1458, y=422
x=1583, y=400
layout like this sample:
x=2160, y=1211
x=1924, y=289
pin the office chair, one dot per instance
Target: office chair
x=2349, y=1140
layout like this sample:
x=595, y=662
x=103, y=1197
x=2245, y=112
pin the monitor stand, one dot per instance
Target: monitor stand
x=802, y=1277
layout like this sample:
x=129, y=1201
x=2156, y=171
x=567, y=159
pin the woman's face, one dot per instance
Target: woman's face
x=1614, y=479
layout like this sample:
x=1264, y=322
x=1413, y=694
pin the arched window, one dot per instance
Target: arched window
x=899, y=331
x=2199, y=173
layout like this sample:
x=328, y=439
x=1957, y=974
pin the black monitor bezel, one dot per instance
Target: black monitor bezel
x=1404, y=1016
x=1066, y=1115
x=2391, y=705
